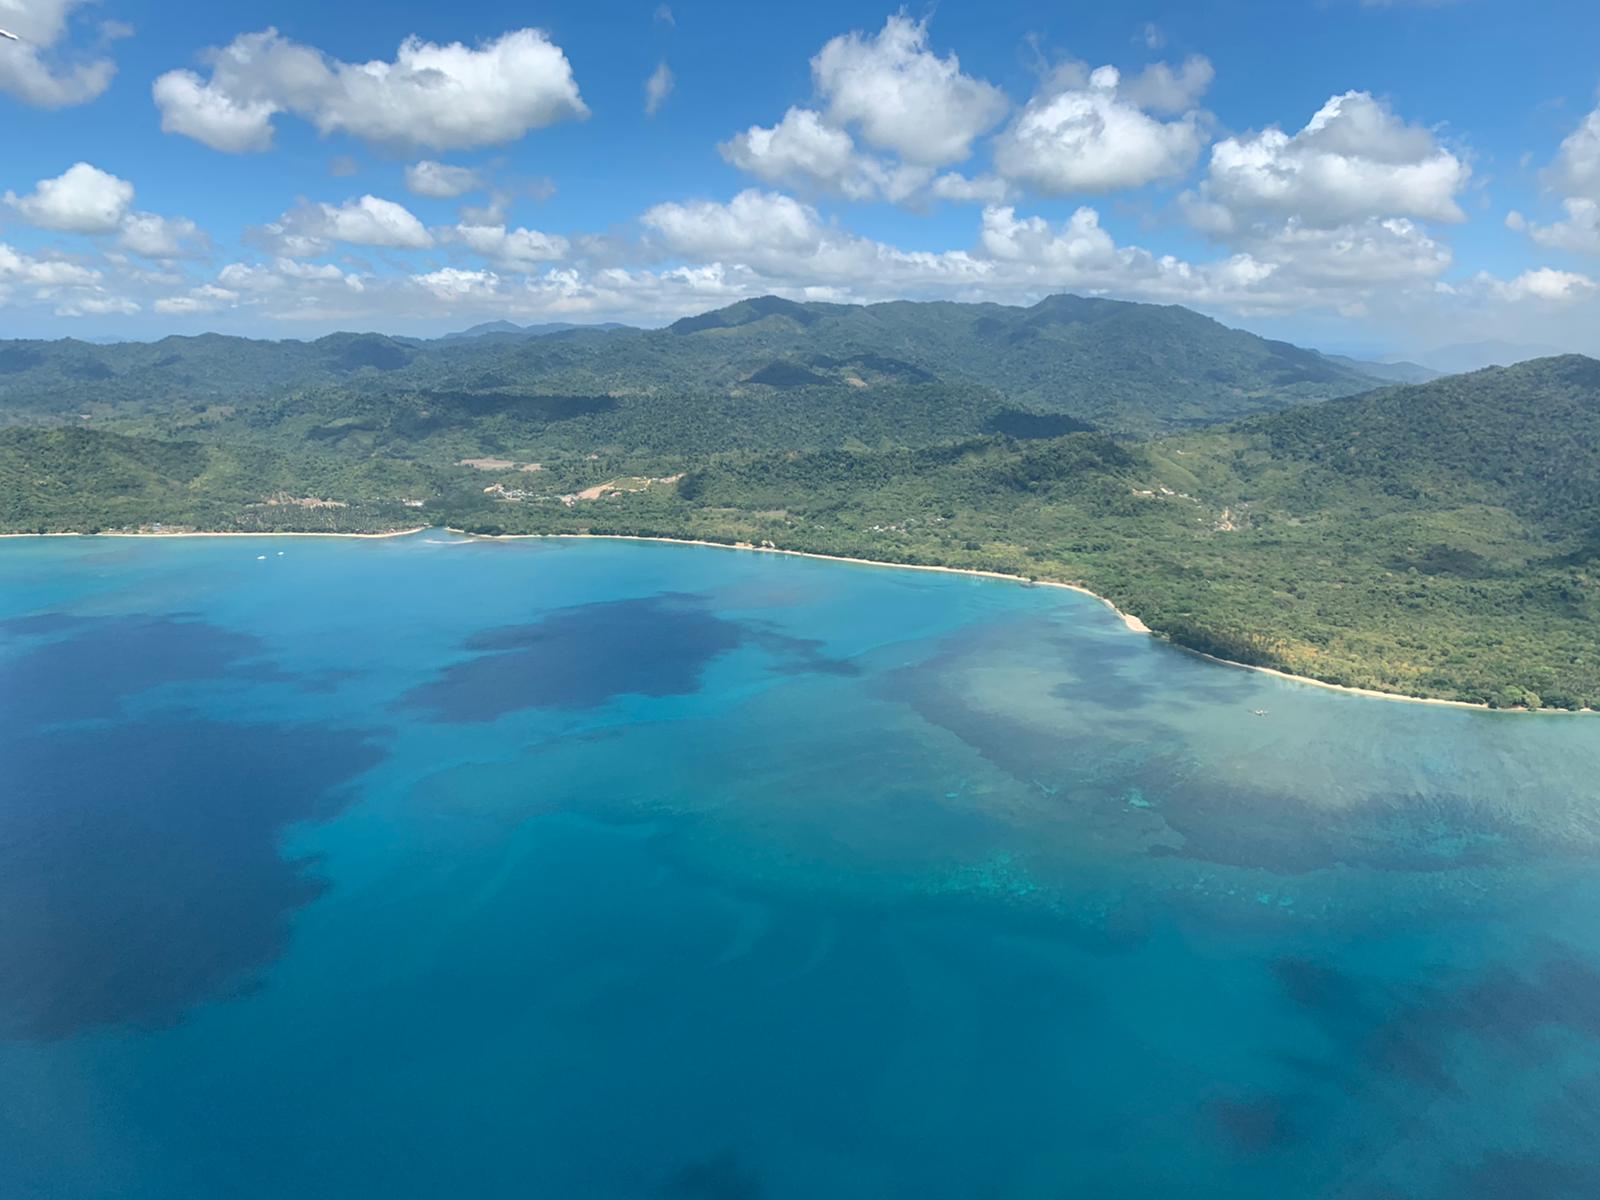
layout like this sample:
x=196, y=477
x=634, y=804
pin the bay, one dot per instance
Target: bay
x=429, y=866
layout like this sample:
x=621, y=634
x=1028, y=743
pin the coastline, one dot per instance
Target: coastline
x=1133, y=623
x=203, y=533
x=1128, y=619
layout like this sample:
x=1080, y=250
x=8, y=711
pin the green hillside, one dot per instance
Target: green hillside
x=1126, y=367
x=903, y=370
x=84, y=480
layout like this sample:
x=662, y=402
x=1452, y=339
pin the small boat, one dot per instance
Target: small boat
x=1258, y=712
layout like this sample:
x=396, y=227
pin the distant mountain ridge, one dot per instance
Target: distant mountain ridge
x=1127, y=368
x=1393, y=372
x=1117, y=364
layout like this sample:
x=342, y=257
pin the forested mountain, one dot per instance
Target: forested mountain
x=1128, y=368
x=91, y=480
x=1120, y=366
x=1525, y=438
x=1439, y=539
x=40, y=380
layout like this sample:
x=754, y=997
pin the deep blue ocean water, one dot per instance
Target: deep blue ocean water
x=435, y=868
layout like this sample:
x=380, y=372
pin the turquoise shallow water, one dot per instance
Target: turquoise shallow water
x=424, y=867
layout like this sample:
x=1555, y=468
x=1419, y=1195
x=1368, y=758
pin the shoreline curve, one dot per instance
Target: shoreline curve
x=1133, y=623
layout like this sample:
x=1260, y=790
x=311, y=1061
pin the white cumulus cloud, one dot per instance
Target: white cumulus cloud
x=17, y=267
x=97, y=306
x=209, y=114
x=1544, y=283
x=767, y=242
x=1576, y=170
x=436, y=96
x=311, y=229
x=799, y=147
x=752, y=224
x=162, y=238
x=454, y=284
x=1580, y=231
x=1391, y=253
x=1353, y=160
x=902, y=96
x=1575, y=176
x=1088, y=131
x=914, y=110
x=512, y=248
x=803, y=150
x=207, y=298
x=86, y=200
x=83, y=199
x=370, y=221
x=1080, y=245
x=36, y=70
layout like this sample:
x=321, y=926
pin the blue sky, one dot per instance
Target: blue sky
x=1377, y=177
